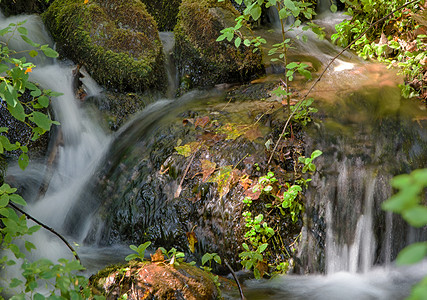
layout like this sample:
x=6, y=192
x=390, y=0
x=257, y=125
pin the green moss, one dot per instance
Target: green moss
x=117, y=41
x=165, y=12
x=202, y=61
x=17, y=7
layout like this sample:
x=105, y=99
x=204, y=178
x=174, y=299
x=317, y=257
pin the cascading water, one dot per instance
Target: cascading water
x=347, y=234
x=79, y=143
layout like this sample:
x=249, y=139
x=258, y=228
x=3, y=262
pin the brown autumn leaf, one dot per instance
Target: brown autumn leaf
x=253, y=133
x=192, y=240
x=251, y=193
x=245, y=181
x=208, y=168
x=202, y=122
x=262, y=267
x=157, y=256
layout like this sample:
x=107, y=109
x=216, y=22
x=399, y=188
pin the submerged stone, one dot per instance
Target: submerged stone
x=117, y=41
x=200, y=59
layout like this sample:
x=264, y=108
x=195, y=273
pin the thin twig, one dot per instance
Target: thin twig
x=47, y=228
x=178, y=190
x=326, y=68
x=236, y=279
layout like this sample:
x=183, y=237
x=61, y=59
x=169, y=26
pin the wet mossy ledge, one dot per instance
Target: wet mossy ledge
x=201, y=60
x=165, y=12
x=117, y=41
x=17, y=7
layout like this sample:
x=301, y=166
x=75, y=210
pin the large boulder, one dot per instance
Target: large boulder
x=200, y=59
x=116, y=40
x=165, y=12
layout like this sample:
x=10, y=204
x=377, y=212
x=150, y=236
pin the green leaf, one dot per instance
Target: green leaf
x=36, y=92
x=23, y=161
x=28, y=41
x=412, y=254
x=237, y=42
x=23, y=30
x=15, y=282
x=29, y=246
x=4, y=200
x=416, y=216
x=15, y=198
x=134, y=248
x=292, y=65
x=50, y=52
x=17, y=111
x=131, y=257
x=3, y=68
x=256, y=12
x=262, y=247
x=41, y=120
x=44, y=101
x=333, y=8
x=33, y=53
x=206, y=257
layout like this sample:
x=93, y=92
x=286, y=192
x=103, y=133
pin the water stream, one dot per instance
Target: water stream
x=367, y=133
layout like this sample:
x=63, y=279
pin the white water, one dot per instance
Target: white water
x=79, y=149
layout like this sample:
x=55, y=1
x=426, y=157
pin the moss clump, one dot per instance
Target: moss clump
x=165, y=12
x=201, y=60
x=117, y=41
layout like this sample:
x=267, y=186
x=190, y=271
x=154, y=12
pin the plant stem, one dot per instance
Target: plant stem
x=285, y=59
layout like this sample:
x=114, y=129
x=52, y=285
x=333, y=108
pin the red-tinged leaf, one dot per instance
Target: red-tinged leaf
x=245, y=181
x=254, y=194
x=202, y=122
x=208, y=168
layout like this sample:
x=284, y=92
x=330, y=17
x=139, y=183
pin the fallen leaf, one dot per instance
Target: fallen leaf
x=192, y=240
x=253, y=133
x=208, y=168
x=245, y=181
x=202, y=122
x=222, y=178
x=157, y=256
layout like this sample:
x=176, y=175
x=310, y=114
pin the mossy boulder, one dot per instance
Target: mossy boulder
x=159, y=280
x=116, y=40
x=165, y=12
x=201, y=60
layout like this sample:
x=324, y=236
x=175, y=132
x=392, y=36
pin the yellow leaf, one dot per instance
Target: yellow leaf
x=86, y=2
x=192, y=240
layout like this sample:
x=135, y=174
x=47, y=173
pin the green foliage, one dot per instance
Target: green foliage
x=392, y=41
x=299, y=11
x=408, y=203
x=252, y=258
x=140, y=251
x=173, y=255
x=303, y=111
x=308, y=161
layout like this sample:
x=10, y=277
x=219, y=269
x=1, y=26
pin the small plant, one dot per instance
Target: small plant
x=252, y=259
x=308, y=161
x=174, y=256
x=140, y=251
x=209, y=257
x=303, y=111
x=259, y=231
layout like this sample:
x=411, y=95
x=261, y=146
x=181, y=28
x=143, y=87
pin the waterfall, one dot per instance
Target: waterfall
x=79, y=142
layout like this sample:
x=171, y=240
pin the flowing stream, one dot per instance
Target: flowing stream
x=367, y=133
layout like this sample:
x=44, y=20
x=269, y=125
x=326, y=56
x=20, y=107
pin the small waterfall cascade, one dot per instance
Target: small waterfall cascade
x=79, y=145
x=168, y=41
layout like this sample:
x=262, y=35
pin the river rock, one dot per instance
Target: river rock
x=116, y=40
x=155, y=281
x=201, y=60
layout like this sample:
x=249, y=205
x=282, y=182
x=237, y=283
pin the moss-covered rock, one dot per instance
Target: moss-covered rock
x=200, y=59
x=165, y=12
x=17, y=7
x=117, y=41
x=154, y=281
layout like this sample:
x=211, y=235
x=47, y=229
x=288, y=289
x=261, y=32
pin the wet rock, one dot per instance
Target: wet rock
x=117, y=41
x=165, y=12
x=200, y=59
x=155, y=281
x=17, y=7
